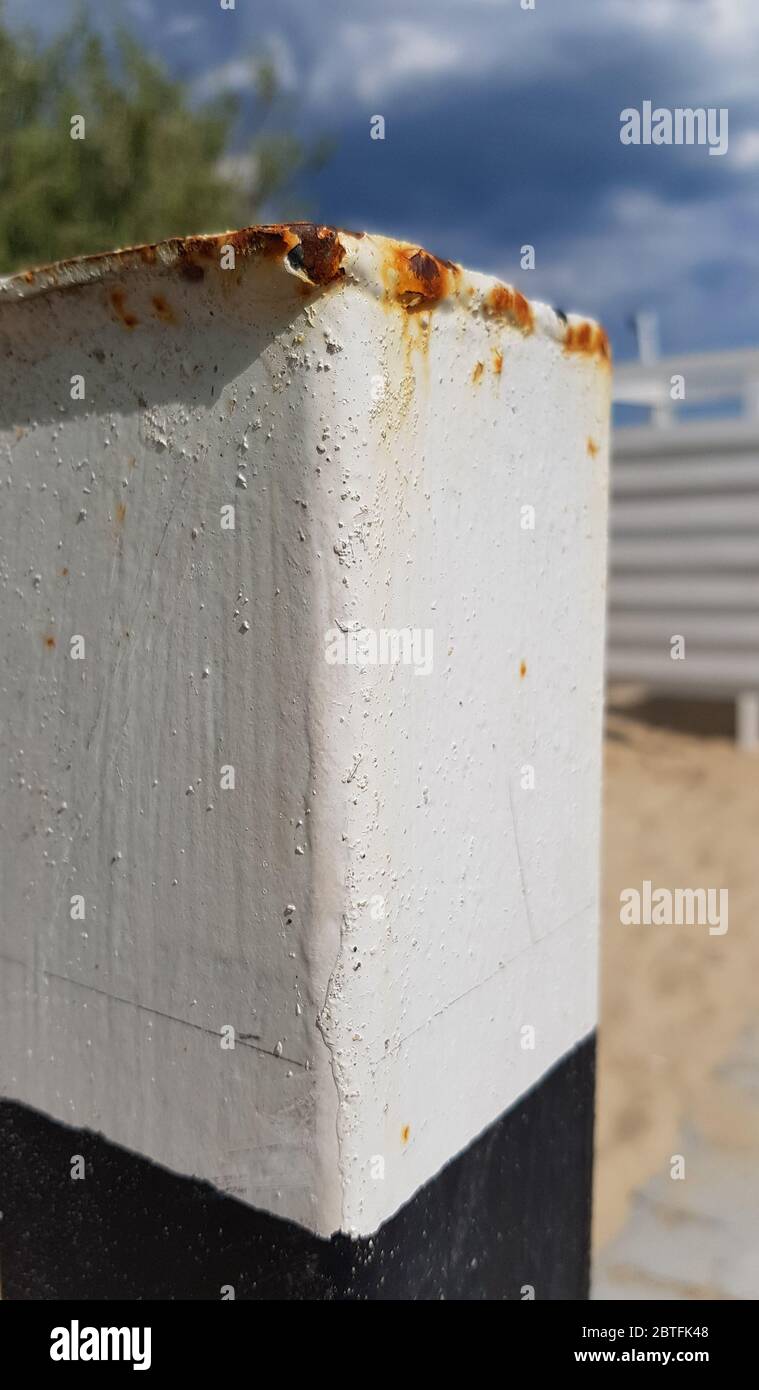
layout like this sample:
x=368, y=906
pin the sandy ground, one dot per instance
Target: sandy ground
x=681, y=808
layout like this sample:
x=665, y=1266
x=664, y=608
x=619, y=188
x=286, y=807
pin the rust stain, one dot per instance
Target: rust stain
x=479, y=368
x=49, y=640
x=119, y=517
x=497, y=361
x=406, y=1133
x=504, y=302
x=417, y=279
x=523, y=669
x=592, y=447
x=63, y=573
x=118, y=304
x=321, y=248
x=588, y=339
x=163, y=309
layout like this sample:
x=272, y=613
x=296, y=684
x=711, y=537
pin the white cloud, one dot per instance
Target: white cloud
x=372, y=60
x=744, y=149
x=646, y=251
x=239, y=74
x=182, y=25
x=381, y=52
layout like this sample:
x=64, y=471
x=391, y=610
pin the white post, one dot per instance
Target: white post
x=747, y=719
x=304, y=542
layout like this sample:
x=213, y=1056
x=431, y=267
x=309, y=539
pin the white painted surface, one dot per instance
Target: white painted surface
x=440, y=907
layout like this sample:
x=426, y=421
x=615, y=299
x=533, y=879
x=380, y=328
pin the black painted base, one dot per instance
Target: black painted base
x=512, y=1211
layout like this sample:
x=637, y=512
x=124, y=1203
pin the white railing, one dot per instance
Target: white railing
x=684, y=552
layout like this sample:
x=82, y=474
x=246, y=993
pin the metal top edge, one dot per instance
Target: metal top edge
x=321, y=257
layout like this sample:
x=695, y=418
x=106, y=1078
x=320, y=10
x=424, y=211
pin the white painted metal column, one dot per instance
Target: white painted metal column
x=303, y=546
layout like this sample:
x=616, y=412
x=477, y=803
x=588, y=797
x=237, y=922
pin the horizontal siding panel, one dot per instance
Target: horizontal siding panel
x=684, y=555
x=720, y=591
x=707, y=438
x=652, y=477
x=719, y=672
x=734, y=512
x=695, y=553
x=737, y=630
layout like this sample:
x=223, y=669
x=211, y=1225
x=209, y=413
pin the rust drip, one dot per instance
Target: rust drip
x=497, y=361
x=163, y=309
x=479, y=368
x=588, y=339
x=591, y=447
x=118, y=304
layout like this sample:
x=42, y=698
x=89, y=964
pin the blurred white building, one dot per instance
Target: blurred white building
x=684, y=552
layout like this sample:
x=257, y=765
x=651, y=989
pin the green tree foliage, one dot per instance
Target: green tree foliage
x=152, y=164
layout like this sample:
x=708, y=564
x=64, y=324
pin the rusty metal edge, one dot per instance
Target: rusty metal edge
x=322, y=256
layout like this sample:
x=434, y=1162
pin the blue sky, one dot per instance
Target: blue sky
x=502, y=128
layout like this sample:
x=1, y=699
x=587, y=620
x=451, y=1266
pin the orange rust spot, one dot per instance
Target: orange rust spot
x=49, y=640
x=497, y=361
x=479, y=368
x=592, y=447
x=523, y=669
x=148, y=254
x=406, y=1133
x=119, y=517
x=118, y=303
x=321, y=250
x=417, y=279
x=504, y=302
x=29, y=276
x=63, y=573
x=588, y=339
x=163, y=309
